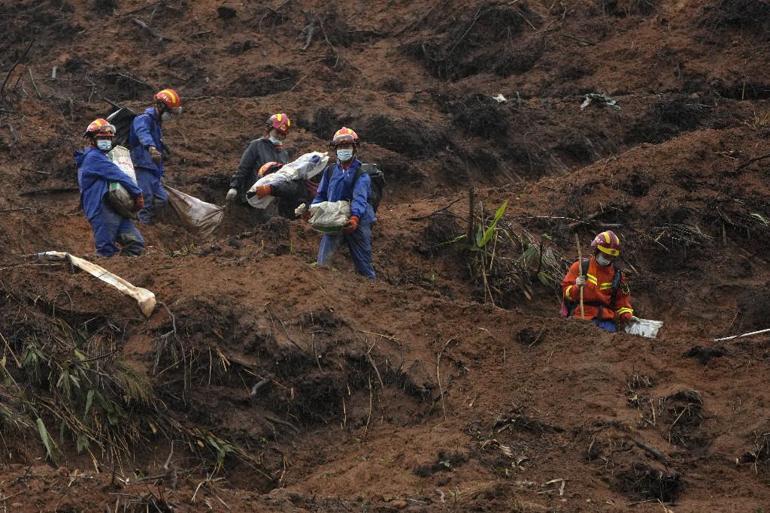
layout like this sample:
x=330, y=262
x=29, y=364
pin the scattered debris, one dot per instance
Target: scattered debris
x=500, y=98
x=599, y=99
x=705, y=354
x=749, y=334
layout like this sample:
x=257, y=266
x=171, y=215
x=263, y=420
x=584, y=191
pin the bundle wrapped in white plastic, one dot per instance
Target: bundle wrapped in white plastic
x=117, y=195
x=329, y=216
x=644, y=327
x=304, y=168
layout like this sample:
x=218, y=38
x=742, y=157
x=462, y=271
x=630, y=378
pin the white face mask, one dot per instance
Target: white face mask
x=344, y=154
x=166, y=116
x=104, y=144
x=602, y=260
x=276, y=141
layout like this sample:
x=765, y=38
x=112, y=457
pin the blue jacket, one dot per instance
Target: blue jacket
x=146, y=132
x=95, y=172
x=341, y=186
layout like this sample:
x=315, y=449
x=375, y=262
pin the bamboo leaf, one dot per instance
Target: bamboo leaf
x=490, y=230
x=48, y=442
x=89, y=402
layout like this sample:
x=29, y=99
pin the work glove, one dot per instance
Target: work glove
x=138, y=203
x=580, y=281
x=263, y=190
x=351, y=226
x=155, y=155
x=626, y=318
x=231, y=195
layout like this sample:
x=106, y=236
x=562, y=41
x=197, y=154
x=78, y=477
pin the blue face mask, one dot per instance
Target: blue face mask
x=104, y=144
x=344, y=154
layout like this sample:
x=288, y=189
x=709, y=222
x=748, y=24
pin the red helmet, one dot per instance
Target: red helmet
x=608, y=243
x=100, y=128
x=269, y=167
x=344, y=135
x=279, y=122
x=169, y=98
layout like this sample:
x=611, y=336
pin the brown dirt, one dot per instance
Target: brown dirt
x=284, y=387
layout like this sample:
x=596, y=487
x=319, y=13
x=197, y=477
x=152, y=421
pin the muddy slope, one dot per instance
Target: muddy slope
x=263, y=383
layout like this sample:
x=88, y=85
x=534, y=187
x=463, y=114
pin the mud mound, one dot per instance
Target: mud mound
x=480, y=115
x=667, y=118
x=751, y=15
x=469, y=47
x=409, y=137
x=263, y=81
x=623, y=8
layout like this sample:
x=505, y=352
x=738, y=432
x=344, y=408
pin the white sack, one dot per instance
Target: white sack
x=329, y=216
x=194, y=213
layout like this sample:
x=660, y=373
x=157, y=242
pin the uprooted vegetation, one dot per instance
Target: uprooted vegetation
x=68, y=381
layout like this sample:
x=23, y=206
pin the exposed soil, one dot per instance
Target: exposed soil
x=264, y=383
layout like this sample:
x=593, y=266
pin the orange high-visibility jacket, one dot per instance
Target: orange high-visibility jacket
x=597, y=292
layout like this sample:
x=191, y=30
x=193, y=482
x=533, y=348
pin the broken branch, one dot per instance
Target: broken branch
x=18, y=61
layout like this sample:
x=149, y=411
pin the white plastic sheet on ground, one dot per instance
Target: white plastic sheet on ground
x=119, y=197
x=644, y=328
x=144, y=298
x=329, y=216
x=195, y=214
x=305, y=167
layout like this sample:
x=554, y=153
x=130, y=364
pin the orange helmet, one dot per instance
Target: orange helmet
x=608, y=243
x=100, y=128
x=169, y=98
x=279, y=122
x=269, y=167
x=344, y=135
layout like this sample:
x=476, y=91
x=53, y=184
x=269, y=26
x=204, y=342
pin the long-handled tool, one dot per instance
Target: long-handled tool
x=580, y=273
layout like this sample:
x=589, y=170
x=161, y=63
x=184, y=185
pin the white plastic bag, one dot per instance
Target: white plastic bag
x=117, y=195
x=304, y=168
x=196, y=214
x=329, y=216
x=644, y=328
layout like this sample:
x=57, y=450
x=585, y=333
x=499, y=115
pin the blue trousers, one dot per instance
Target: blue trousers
x=606, y=325
x=155, y=195
x=110, y=228
x=359, y=243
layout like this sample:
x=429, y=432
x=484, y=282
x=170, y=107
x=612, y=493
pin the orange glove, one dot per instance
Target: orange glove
x=138, y=203
x=263, y=190
x=351, y=226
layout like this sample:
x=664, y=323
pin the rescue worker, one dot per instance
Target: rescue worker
x=95, y=172
x=147, y=150
x=291, y=194
x=606, y=296
x=340, y=181
x=268, y=148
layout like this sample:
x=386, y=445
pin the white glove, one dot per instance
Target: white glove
x=300, y=210
x=231, y=195
x=580, y=281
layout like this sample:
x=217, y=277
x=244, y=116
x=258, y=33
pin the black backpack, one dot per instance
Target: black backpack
x=122, y=120
x=376, y=176
x=568, y=307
